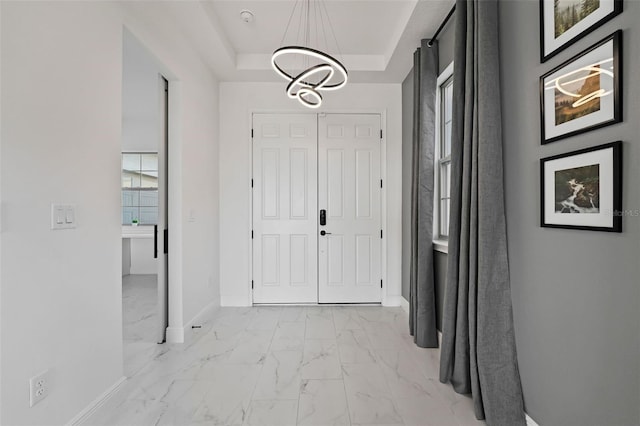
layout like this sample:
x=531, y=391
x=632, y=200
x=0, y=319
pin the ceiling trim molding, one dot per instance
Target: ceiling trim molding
x=259, y=61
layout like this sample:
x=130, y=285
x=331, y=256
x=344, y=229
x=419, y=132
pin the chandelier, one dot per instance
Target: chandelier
x=304, y=63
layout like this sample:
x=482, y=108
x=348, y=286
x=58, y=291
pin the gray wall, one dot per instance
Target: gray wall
x=445, y=56
x=575, y=293
x=440, y=272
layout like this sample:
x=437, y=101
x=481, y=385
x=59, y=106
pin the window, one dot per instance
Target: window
x=443, y=156
x=139, y=188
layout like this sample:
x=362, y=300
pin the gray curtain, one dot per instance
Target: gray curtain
x=422, y=301
x=478, y=345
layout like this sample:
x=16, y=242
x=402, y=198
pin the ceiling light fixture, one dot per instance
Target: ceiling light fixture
x=304, y=62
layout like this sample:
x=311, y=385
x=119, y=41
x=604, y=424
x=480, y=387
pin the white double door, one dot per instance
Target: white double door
x=317, y=232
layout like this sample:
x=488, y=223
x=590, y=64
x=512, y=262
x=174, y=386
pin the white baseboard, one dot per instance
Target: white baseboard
x=530, y=421
x=392, y=301
x=237, y=301
x=205, y=315
x=404, y=303
x=83, y=415
x=182, y=334
x=136, y=270
x=175, y=334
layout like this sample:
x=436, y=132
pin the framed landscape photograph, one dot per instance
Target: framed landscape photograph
x=583, y=189
x=583, y=93
x=563, y=22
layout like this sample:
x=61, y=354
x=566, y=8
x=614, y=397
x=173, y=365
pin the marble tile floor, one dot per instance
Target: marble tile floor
x=279, y=366
x=139, y=321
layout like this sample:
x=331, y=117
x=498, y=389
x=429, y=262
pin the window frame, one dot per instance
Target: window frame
x=440, y=242
x=139, y=189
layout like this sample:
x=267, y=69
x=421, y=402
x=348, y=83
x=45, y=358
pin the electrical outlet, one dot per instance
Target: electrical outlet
x=39, y=387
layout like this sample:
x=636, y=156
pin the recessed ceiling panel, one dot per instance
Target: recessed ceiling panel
x=376, y=38
x=361, y=27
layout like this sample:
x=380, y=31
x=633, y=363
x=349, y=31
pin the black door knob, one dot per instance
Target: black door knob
x=325, y=233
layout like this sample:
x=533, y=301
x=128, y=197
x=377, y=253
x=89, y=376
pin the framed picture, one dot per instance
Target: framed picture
x=583, y=93
x=563, y=22
x=583, y=189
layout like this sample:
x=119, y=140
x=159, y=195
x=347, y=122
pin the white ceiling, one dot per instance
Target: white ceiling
x=376, y=38
x=362, y=27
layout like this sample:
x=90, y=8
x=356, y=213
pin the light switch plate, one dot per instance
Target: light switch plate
x=69, y=215
x=59, y=215
x=63, y=216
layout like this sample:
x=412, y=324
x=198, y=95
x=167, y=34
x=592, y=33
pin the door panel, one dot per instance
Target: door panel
x=363, y=184
x=270, y=260
x=299, y=260
x=335, y=254
x=349, y=255
x=270, y=183
x=335, y=182
x=363, y=259
x=162, y=212
x=285, y=228
x=299, y=189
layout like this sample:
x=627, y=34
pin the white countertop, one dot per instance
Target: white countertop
x=143, y=231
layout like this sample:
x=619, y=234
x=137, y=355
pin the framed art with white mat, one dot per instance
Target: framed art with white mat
x=583, y=189
x=583, y=93
x=563, y=22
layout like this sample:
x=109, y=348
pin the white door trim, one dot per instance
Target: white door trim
x=175, y=330
x=163, y=205
x=386, y=299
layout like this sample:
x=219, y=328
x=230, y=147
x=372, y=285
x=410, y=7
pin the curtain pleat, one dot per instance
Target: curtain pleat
x=478, y=354
x=422, y=300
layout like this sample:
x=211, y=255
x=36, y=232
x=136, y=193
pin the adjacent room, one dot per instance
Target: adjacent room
x=143, y=208
x=320, y=212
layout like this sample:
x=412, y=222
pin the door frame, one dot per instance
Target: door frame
x=175, y=331
x=162, y=258
x=382, y=112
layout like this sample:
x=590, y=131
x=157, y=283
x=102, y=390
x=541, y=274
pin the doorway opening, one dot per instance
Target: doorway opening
x=144, y=205
x=317, y=208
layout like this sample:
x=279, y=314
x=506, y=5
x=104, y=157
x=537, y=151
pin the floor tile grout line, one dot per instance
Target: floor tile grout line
x=255, y=385
x=344, y=385
x=411, y=351
x=409, y=358
x=346, y=397
x=378, y=361
x=304, y=339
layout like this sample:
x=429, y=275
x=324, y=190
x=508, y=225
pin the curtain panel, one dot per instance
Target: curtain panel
x=422, y=300
x=478, y=353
